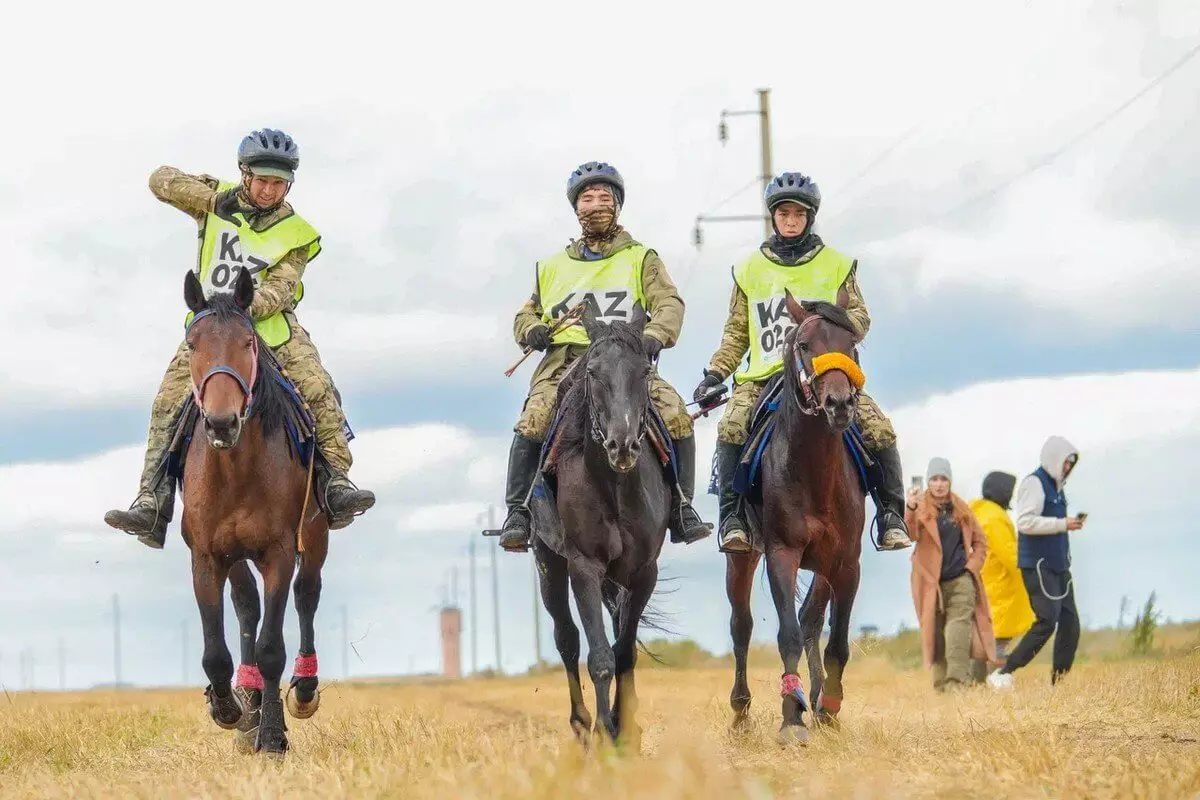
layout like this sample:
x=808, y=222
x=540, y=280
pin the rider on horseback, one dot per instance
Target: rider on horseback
x=611, y=272
x=796, y=260
x=248, y=225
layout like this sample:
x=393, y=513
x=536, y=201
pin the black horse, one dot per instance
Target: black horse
x=603, y=534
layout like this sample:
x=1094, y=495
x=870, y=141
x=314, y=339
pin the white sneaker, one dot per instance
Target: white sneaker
x=1001, y=681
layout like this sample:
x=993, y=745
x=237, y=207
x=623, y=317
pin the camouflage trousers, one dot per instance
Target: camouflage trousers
x=300, y=362
x=538, y=412
x=734, y=427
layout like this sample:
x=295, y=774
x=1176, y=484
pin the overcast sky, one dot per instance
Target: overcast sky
x=435, y=153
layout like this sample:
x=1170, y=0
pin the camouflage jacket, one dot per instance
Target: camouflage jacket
x=194, y=195
x=735, y=340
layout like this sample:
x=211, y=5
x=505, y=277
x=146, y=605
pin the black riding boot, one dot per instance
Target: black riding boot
x=893, y=533
x=523, y=458
x=151, y=512
x=343, y=500
x=734, y=537
x=686, y=525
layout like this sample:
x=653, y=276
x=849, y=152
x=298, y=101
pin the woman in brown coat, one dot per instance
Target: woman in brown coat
x=952, y=608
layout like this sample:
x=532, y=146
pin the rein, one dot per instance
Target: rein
x=809, y=372
x=247, y=387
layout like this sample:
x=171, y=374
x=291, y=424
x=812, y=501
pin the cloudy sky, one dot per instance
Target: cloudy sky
x=1009, y=303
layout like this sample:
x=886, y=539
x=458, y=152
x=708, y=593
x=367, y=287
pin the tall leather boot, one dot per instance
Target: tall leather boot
x=734, y=538
x=152, y=510
x=686, y=525
x=893, y=533
x=523, y=457
x=343, y=500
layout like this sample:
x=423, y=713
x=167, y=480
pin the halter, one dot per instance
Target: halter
x=805, y=388
x=247, y=387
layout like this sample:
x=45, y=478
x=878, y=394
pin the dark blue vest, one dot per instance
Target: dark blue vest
x=1054, y=548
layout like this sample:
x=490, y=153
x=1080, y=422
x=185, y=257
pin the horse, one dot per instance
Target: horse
x=247, y=498
x=613, y=503
x=811, y=516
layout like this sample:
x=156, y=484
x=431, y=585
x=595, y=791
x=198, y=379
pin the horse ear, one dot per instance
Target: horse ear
x=591, y=323
x=243, y=290
x=794, y=308
x=638, y=319
x=193, y=293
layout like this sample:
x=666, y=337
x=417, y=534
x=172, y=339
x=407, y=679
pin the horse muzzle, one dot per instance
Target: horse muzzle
x=623, y=456
x=839, y=410
x=222, y=430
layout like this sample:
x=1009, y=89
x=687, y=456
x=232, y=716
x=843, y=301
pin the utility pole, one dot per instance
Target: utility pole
x=474, y=613
x=62, y=666
x=116, y=603
x=537, y=619
x=764, y=119
x=495, y=590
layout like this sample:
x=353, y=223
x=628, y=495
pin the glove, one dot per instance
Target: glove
x=653, y=347
x=226, y=204
x=538, y=338
x=705, y=387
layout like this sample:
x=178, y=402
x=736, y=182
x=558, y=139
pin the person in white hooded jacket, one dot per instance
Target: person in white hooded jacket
x=1044, y=556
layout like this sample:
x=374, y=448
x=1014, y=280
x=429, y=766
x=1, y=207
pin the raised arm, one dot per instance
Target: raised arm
x=191, y=194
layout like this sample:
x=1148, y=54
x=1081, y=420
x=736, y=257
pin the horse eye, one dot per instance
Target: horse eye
x=249, y=344
x=803, y=346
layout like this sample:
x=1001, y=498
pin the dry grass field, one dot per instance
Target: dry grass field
x=1116, y=728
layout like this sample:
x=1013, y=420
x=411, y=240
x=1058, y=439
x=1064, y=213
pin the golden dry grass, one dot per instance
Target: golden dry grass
x=1115, y=729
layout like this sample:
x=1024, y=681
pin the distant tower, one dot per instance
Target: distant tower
x=451, y=622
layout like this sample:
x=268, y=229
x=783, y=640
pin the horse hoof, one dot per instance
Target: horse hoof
x=824, y=719
x=583, y=731
x=793, y=734
x=227, y=712
x=742, y=723
x=271, y=743
x=299, y=708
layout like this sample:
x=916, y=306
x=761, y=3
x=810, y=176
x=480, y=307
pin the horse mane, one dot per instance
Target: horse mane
x=572, y=391
x=270, y=400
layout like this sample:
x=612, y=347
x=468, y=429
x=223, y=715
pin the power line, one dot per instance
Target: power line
x=1058, y=152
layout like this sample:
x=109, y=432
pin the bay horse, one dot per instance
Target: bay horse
x=811, y=517
x=603, y=535
x=247, y=498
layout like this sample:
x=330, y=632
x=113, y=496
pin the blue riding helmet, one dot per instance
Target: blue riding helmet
x=793, y=187
x=590, y=174
x=270, y=152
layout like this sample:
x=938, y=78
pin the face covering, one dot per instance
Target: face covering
x=599, y=225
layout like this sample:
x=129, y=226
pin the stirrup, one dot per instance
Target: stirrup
x=734, y=541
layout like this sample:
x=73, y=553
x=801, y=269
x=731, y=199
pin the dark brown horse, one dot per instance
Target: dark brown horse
x=811, y=517
x=248, y=498
x=602, y=539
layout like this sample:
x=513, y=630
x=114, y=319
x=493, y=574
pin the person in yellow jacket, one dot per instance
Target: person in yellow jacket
x=793, y=260
x=612, y=272
x=1012, y=614
x=248, y=225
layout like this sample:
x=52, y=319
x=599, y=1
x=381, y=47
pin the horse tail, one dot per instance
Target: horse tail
x=654, y=617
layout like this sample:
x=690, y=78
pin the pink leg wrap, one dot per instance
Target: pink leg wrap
x=831, y=704
x=248, y=677
x=791, y=684
x=306, y=666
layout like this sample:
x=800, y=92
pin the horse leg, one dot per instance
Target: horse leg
x=248, y=686
x=641, y=587
x=277, y=576
x=552, y=573
x=837, y=651
x=782, y=566
x=739, y=583
x=812, y=617
x=586, y=579
x=303, y=698
x=208, y=583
